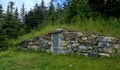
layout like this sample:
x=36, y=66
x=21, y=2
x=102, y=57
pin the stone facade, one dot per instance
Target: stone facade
x=61, y=41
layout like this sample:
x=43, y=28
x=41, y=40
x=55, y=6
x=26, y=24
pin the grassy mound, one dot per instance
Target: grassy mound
x=12, y=59
x=100, y=26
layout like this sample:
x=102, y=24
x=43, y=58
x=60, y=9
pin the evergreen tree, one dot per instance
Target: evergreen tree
x=11, y=25
x=23, y=14
x=106, y=7
x=1, y=14
x=43, y=5
x=43, y=8
x=51, y=11
x=34, y=17
x=11, y=4
x=2, y=37
x=16, y=14
x=77, y=8
x=59, y=10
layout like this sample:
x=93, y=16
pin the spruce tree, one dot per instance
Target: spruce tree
x=51, y=11
x=11, y=25
x=34, y=17
x=2, y=36
x=22, y=14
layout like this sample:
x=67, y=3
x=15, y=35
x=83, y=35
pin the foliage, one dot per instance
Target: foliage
x=34, y=17
x=32, y=60
x=106, y=7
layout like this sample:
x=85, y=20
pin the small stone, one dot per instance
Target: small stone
x=104, y=54
x=116, y=46
x=101, y=39
x=102, y=44
x=109, y=50
x=79, y=34
x=63, y=43
x=75, y=44
x=111, y=39
x=90, y=48
x=114, y=49
x=94, y=36
x=82, y=47
x=30, y=43
x=59, y=29
x=118, y=41
x=84, y=38
x=35, y=47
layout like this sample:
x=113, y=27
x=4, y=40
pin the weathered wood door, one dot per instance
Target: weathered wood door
x=56, y=43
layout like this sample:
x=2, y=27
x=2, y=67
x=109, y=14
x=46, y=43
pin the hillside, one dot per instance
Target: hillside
x=99, y=27
x=14, y=58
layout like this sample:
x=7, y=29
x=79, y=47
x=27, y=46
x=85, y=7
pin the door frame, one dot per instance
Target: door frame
x=52, y=47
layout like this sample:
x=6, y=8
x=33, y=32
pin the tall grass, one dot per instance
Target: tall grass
x=31, y=60
x=100, y=26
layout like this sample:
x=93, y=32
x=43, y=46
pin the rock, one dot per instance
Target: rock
x=101, y=39
x=59, y=29
x=49, y=43
x=111, y=39
x=116, y=47
x=75, y=49
x=84, y=54
x=33, y=47
x=109, y=50
x=118, y=41
x=82, y=48
x=103, y=44
x=46, y=47
x=63, y=47
x=104, y=54
x=94, y=42
x=84, y=38
x=93, y=54
x=69, y=49
x=30, y=43
x=75, y=44
x=93, y=36
x=79, y=34
x=90, y=48
x=63, y=43
x=48, y=51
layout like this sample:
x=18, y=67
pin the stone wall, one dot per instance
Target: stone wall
x=74, y=42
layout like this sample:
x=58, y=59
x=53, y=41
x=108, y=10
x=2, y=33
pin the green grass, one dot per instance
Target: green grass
x=32, y=60
x=110, y=27
x=12, y=59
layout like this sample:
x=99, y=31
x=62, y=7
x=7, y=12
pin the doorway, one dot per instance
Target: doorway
x=56, y=43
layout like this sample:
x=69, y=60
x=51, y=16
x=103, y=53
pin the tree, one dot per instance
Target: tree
x=75, y=8
x=43, y=8
x=51, y=11
x=2, y=36
x=23, y=14
x=1, y=14
x=34, y=17
x=11, y=4
x=42, y=5
x=11, y=25
x=59, y=10
x=16, y=14
x=106, y=7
